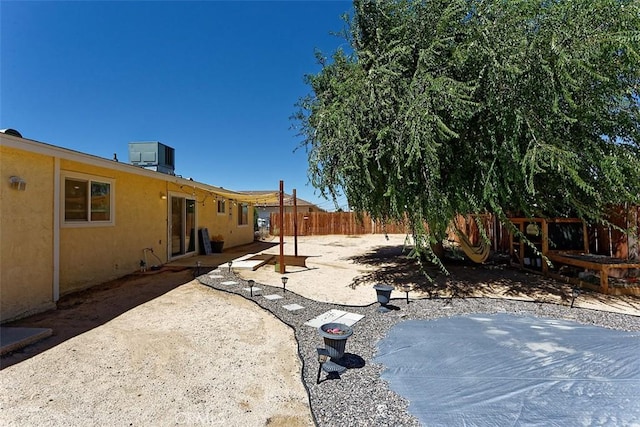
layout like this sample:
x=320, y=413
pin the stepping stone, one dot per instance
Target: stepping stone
x=350, y=319
x=293, y=307
x=255, y=289
x=327, y=317
x=215, y=276
x=273, y=297
x=334, y=316
x=229, y=283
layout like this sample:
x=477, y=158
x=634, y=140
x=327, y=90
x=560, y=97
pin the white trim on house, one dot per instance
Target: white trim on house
x=196, y=242
x=56, y=229
x=88, y=222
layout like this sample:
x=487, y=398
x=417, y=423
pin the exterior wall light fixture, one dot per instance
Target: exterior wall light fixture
x=18, y=183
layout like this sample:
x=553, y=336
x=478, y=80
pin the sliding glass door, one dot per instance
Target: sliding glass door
x=182, y=226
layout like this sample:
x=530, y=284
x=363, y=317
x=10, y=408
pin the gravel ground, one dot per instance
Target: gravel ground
x=359, y=397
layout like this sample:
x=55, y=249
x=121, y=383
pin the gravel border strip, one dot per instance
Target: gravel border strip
x=360, y=397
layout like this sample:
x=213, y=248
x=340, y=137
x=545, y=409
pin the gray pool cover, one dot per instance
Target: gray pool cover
x=506, y=370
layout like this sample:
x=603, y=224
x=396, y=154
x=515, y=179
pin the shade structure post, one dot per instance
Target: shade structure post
x=295, y=223
x=282, y=267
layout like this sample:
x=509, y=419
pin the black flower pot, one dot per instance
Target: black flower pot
x=384, y=296
x=216, y=247
x=335, y=343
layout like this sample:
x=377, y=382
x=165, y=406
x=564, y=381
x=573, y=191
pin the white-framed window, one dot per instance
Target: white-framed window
x=222, y=206
x=87, y=200
x=243, y=214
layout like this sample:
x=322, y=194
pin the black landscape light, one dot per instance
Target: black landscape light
x=229, y=264
x=284, y=283
x=251, y=284
x=406, y=289
x=574, y=294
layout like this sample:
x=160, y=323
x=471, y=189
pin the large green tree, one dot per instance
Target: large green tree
x=440, y=107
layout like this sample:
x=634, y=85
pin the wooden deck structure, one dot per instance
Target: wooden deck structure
x=565, y=242
x=602, y=264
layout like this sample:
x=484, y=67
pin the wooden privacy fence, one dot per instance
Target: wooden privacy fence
x=348, y=223
x=602, y=240
x=324, y=223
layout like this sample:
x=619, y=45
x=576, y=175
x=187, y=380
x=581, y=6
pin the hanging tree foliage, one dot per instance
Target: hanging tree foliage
x=446, y=107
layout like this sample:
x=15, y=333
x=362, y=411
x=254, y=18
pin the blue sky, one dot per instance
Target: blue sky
x=215, y=80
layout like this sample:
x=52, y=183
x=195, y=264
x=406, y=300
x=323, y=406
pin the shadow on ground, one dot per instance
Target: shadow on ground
x=396, y=268
x=82, y=311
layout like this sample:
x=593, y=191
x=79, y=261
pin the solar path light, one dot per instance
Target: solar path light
x=284, y=283
x=406, y=288
x=574, y=294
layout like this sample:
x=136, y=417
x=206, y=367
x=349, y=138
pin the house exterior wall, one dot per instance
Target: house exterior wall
x=43, y=257
x=90, y=255
x=26, y=234
x=225, y=224
x=243, y=234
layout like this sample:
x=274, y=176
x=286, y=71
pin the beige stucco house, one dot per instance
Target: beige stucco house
x=69, y=221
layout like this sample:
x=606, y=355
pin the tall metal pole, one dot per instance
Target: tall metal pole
x=282, y=269
x=295, y=223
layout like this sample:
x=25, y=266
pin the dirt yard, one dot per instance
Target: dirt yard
x=156, y=350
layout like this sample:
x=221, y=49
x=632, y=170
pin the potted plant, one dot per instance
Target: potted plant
x=335, y=338
x=217, y=242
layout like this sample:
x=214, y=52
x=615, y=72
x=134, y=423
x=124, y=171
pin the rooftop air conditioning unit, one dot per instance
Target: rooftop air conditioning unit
x=152, y=155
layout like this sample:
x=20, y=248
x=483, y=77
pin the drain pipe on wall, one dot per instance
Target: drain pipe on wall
x=144, y=263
